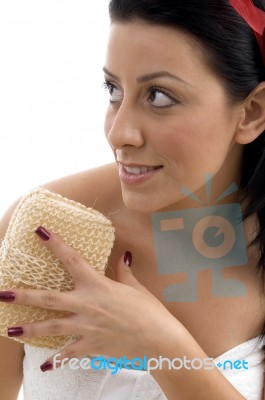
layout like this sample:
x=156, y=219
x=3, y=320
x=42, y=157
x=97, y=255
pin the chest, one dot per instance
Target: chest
x=220, y=307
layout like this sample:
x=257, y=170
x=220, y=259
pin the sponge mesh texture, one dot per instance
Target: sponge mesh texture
x=26, y=263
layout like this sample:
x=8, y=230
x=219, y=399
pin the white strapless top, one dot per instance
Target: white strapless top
x=82, y=384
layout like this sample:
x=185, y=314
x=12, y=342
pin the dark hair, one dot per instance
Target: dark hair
x=232, y=51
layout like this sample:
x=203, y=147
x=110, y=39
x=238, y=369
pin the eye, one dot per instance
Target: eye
x=158, y=98
x=114, y=93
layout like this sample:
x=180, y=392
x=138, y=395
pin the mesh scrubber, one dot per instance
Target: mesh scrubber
x=26, y=263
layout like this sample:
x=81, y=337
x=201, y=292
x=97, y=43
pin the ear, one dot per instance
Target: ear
x=252, y=116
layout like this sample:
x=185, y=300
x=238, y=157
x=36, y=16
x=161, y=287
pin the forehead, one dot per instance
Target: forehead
x=137, y=45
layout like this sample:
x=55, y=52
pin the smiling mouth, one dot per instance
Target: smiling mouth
x=139, y=170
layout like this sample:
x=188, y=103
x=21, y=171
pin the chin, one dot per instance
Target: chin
x=146, y=204
x=138, y=202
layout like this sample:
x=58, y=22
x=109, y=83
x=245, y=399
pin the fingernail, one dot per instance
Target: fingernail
x=43, y=233
x=128, y=258
x=15, y=331
x=47, y=366
x=7, y=296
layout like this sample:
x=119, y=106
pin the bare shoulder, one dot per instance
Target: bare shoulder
x=98, y=187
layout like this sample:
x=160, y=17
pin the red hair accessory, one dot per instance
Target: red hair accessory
x=255, y=18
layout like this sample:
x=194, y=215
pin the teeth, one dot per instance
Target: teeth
x=137, y=170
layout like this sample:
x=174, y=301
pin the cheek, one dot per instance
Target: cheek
x=195, y=142
x=177, y=139
x=107, y=124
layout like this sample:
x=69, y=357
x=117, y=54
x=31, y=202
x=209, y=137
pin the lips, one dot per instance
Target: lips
x=135, y=174
x=138, y=170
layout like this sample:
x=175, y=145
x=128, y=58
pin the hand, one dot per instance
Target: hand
x=113, y=319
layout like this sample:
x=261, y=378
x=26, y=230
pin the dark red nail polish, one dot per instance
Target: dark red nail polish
x=7, y=296
x=128, y=258
x=15, y=331
x=47, y=366
x=43, y=233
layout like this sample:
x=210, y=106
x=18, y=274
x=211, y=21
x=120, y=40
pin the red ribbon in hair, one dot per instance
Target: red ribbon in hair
x=255, y=18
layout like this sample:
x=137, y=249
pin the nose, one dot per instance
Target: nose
x=123, y=127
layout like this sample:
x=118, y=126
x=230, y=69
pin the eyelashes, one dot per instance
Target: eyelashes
x=115, y=94
x=108, y=86
x=153, y=92
x=155, y=95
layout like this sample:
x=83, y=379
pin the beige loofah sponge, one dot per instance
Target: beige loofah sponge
x=26, y=263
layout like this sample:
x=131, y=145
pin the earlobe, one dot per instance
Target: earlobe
x=252, y=116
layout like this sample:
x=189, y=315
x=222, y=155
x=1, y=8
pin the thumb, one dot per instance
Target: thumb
x=124, y=272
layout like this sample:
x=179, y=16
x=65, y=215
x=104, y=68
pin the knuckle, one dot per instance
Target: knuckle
x=31, y=331
x=73, y=259
x=49, y=300
x=97, y=347
x=23, y=297
x=105, y=287
x=93, y=310
x=69, y=353
x=56, y=327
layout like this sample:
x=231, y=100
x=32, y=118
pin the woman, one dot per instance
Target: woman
x=187, y=98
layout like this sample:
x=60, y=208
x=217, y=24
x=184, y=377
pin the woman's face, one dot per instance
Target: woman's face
x=169, y=121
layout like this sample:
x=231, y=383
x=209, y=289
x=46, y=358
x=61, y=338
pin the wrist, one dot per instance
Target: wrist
x=184, y=370
x=164, y=338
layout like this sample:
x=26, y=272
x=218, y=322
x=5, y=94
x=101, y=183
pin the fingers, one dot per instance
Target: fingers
x=77, y=266
x=52, y=327
x=49, y=299
x=125, y=275
x=69, y=355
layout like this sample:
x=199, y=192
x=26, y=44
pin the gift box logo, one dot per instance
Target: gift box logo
x=198, y=239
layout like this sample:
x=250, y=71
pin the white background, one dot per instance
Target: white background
x=52, y=103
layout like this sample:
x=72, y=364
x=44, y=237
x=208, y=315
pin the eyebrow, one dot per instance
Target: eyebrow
x=149, y=77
